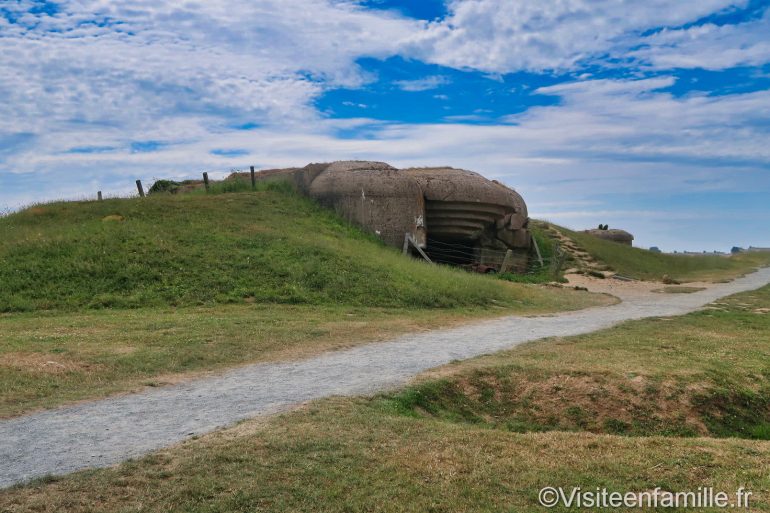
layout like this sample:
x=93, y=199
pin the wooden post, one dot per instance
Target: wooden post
x=419, y=249
x=99, y=196
x=537, y=252
x=206, y=181
x=421, y=252
x=408, y=239
x=253, y=180
x=140, y=188
x=506, y=265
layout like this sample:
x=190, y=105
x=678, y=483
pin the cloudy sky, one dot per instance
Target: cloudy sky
x=653, y=116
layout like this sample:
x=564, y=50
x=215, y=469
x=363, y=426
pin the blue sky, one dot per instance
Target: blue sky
x=652, y=116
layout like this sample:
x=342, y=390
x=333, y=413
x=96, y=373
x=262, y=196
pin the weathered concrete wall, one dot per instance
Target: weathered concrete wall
x=452, y=208
x=375, y=196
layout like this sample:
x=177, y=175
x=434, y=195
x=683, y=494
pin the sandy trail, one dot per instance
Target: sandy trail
x=105, y=432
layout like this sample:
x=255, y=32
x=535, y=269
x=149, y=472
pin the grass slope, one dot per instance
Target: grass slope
x=471, y=437
x=197, y=249
x=210, y=281
x=646, y=265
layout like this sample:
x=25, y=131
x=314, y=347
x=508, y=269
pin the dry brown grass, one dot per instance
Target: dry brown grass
x=95, y=354
x=342, y=455
x=35, y=363
x=585, y=402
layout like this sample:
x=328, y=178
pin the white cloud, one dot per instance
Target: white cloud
x=118, y=71
x=633, y=120
x=500, y=36
x=423, y=84
x=708, y=46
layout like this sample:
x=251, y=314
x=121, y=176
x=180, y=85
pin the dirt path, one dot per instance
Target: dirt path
x=108, y=431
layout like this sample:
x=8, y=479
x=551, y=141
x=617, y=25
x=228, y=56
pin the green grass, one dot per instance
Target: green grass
x=268, y=246
x=706, y=373
x=170, y=286
x=646, y=265
x=487, y=434
x=535, y=272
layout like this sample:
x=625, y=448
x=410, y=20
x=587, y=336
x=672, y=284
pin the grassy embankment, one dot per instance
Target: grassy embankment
x=537, y=273
x=102, y=297
x=646, y=265
x=677, y=403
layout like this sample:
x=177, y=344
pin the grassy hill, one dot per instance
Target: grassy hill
x=112, y=296
x=646, y=265
x=267, y=246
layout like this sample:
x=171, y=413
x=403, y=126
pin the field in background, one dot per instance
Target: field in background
x=646, y=265
x=487, y=434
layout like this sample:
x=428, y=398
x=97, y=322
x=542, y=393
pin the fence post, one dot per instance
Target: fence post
x=410, y=240
x=140, y=188
x=206, y=181
x=99, y=196
x=537, y=252
x=253, y=180
x=506, y=265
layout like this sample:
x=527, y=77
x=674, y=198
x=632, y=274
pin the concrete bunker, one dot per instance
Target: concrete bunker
x=612, y=234
x=455, y=216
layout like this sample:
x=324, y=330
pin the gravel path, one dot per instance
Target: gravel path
x=104, y=432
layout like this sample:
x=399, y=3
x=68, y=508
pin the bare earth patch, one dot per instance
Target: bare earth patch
x=595, y=402
x=42, y=363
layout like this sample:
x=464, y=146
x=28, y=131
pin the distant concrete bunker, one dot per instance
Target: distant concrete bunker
x=456, y=216
x=614, y=235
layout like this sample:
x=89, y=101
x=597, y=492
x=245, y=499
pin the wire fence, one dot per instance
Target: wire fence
x=443, y=252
